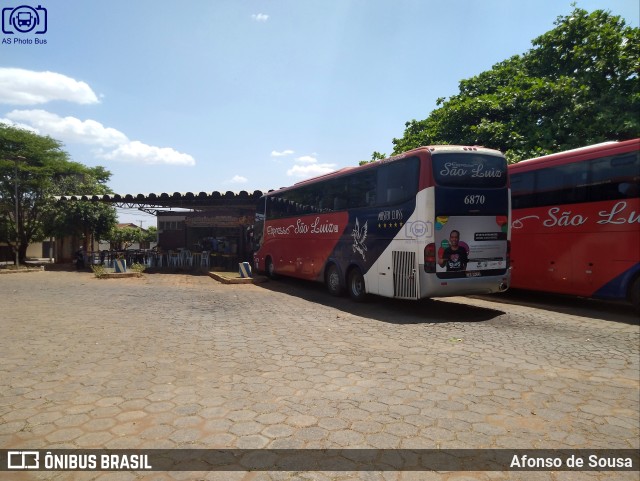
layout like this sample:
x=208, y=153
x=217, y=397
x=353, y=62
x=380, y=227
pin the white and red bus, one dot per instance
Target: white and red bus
x=576, y=222
x=431, y=222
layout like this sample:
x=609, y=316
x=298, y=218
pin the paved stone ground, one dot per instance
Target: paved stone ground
x=183, y=361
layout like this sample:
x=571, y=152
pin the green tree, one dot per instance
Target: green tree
x=578, y=85
x=150, y=235
x=121, y=238
x=374, y=157
x=41, y=170
x=90, y=221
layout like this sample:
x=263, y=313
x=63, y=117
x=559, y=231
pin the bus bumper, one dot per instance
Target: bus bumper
x=435, y=287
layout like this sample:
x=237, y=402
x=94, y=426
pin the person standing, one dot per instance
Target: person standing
x=80, y=258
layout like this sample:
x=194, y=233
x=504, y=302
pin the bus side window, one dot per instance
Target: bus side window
x=370, y=198
x=615, y=177
x=398, y=181
x=595, y=180
x=268, y=208
x=395, y=195
x=276, y=208
x=522, y=190
x=360, y=188
x=629, y=190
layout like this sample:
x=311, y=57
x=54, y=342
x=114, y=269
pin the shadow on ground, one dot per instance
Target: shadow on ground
x=393, y=311
x=572, y=305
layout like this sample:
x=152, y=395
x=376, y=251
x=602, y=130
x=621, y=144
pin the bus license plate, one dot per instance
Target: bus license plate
x=474, y=274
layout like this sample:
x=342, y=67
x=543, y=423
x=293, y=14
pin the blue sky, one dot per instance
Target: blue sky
x=243, y=95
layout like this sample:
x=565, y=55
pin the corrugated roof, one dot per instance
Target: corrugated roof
x=187, y=200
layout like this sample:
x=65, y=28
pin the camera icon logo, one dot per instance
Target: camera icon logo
x=24, y=19
x=418, y=229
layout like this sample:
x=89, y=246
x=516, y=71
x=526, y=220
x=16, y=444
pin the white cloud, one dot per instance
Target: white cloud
x=307, y=159
x=275, y=153
x=311, y=170
x=18, y=125
x=26, y=87
x=237, y=179
x=138, y=152
x=260, y=17
x=91, y=132
x=307, y=166
x=69, y=129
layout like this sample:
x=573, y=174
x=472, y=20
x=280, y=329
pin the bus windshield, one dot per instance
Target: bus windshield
x=464, y=170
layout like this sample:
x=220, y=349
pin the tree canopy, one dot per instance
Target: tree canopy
x=578, y=85
x=41, y=169
x=125, y=237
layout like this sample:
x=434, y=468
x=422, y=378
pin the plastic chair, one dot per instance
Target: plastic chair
x=204, y=259
x=173, y=259
x=187, y=258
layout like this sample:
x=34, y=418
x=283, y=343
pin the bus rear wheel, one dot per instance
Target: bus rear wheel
x=357, y=290
x=332, y=279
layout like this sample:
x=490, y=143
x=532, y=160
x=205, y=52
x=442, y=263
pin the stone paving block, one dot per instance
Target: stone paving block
x=172, y=360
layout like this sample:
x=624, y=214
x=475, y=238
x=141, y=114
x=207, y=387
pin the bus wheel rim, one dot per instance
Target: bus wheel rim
x=357, y=285
x=334, y=279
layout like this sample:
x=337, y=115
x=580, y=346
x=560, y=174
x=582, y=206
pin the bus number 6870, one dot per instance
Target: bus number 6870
x=474, y=199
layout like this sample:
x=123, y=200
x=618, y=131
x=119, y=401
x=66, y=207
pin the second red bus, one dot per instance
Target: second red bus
x=576, y=222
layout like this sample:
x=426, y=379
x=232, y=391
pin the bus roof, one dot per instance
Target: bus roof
x=344, y=170
x=580, y=153
x=455, y=148
x=403, y=155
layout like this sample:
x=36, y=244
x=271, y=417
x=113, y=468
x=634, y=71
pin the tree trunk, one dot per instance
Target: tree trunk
x=22, y=252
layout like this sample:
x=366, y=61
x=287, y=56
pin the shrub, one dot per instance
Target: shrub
x=138, y=268
x=98, y=271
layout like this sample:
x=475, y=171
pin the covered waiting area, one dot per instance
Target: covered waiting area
x=194, y=230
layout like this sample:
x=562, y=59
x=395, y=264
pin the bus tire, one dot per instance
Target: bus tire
x=333, y=280
x=634, y=294
x=270, y=269
x=356, y=285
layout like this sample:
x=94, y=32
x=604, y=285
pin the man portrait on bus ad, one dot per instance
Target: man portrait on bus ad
x=454, y=257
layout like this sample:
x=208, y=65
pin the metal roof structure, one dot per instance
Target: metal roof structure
x=155, y=203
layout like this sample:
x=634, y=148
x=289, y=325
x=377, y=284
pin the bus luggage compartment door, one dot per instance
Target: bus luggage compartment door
x=405, y=279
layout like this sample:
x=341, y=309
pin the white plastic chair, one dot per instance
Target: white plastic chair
x=173, y=259
x=187, y=258
x=204, y=259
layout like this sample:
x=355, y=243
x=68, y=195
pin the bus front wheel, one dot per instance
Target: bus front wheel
x=357, y=290
x=332, y=279
x=270, y=269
